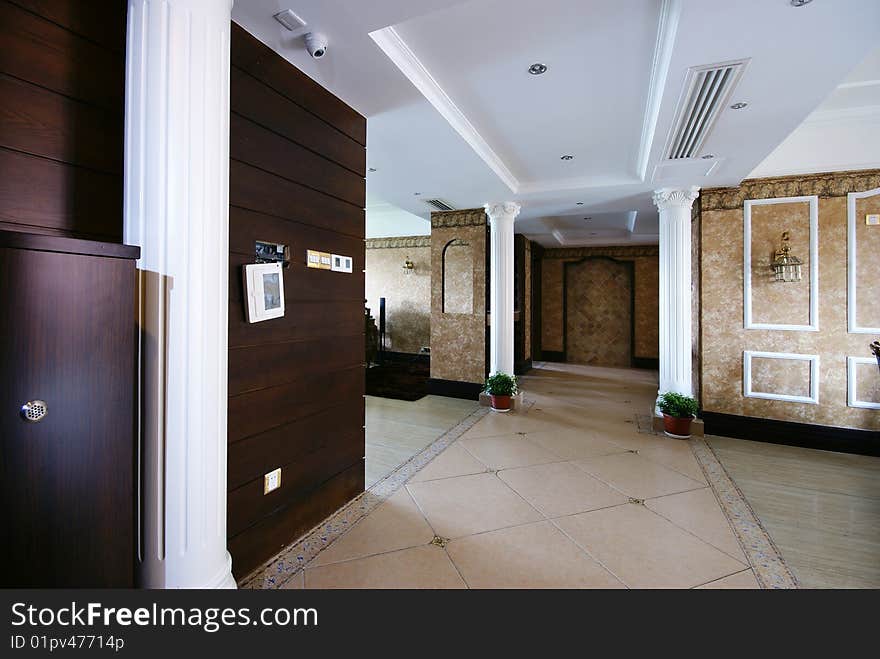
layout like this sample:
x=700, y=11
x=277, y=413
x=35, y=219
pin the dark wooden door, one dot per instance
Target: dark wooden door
x=67, y=337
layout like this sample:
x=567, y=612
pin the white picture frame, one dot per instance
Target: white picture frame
x=749, y=392
x=852, y=399
x=263, y=291
x=748, y=323
x=852, y=323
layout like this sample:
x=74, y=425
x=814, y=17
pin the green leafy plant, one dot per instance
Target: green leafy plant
x=678, y=405
x=501, y=384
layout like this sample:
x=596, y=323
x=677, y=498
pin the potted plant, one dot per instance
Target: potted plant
x=500, y=388
x=678, y=412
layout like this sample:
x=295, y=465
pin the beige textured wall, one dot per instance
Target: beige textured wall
x=723, y=337
x=868, y=242
x=407, y=296
x=458, y=341
x=646, y=316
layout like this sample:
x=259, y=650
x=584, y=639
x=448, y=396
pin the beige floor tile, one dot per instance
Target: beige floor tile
x=530, y=556
x=418, y=567
x=740, y=580
x=561, y=489
x=573, y=444
x=646, y=551
x=454, y=461
x=470, y=504
x=636, y=476
x=677, y=455
x=396, y=524
x=507, y=451
x=698, y=511
x=296, y=582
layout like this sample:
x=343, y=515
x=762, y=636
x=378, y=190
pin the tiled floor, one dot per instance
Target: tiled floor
x=822, y=509
x=564, y=494
x=396, y=429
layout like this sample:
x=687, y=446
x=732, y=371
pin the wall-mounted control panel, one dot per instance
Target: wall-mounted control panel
x=340, y=263
x=327, y=261
x=320, y=260
x=272, y=481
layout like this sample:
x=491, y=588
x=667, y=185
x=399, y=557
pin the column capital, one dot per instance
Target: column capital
x=666, y=198
x=502, y=210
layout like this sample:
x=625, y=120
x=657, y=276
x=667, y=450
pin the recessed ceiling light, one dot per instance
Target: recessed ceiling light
x=417, y=193
x=588, y=218
x=739, y=106
x=708, y=156
x=800, y=3
x=371, y=169
x=566, y=157
x=537, y=69
x=580, y=203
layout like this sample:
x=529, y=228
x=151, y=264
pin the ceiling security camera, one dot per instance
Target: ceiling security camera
x=317, y=44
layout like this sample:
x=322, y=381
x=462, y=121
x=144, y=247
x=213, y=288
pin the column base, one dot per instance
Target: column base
x=223, y=580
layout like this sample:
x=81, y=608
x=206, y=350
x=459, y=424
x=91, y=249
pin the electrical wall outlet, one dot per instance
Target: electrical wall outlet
x=341, y=263
x=272, y=481
x=872, y=220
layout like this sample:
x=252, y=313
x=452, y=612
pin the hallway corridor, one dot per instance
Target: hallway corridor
x=566, y=493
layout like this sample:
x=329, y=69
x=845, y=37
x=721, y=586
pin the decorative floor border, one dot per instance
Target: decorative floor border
x=275, y=572
x=767, y=563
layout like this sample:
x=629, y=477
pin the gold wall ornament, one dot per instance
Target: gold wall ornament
x=786, y=266
x=408, y=266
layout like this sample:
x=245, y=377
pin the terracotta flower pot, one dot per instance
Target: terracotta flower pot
x=677, y=427
x=500, y=403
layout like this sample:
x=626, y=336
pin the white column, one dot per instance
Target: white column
x=501, y=217
x=177, y=210
x=675, y=288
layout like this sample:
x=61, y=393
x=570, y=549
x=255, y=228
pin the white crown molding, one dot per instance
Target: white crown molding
x=852, y=400
x=852, y=325
x=405, y=59
x=667, y=29
x=844, y=114
x=748, y=392
x=859, y=83
x=748, y=323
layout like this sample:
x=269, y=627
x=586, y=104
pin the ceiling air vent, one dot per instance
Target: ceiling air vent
x=707, y=90
x=438, y=204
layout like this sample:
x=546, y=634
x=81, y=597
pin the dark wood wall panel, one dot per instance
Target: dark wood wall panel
x=62, y=103
x=296, y=383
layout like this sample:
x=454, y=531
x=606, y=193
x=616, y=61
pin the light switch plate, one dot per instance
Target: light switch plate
x=341, y=263
x=872, y=220
x=316, y=259
x=272, y=481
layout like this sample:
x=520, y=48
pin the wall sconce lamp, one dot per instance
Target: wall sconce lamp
x=786, y=266
x=408, y=266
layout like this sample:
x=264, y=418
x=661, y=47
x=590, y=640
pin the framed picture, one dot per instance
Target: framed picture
x=263, y=291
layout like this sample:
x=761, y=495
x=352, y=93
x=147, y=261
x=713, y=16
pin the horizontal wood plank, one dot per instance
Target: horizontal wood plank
x=327, y=318
x=38, y=121
x=108, y=32
x=39, y=192
x=258, y=411
x=258, y=102
x=258, y=190
x=46, y=54
x=262, y=366
x=254, y=456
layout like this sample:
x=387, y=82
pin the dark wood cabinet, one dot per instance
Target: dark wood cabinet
x=67, y=481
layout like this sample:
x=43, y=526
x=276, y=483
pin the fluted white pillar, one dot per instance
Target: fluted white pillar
x=501, y=218
x=675, y=288
x=177, y=211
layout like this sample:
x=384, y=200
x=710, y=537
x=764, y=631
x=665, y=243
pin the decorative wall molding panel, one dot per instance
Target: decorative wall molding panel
x=852, y=382
x=813, y=264
x=470, y=217
x=748, y=392
x=852, y=304
x=612, y=252
x=831, y=184
x=398, y=242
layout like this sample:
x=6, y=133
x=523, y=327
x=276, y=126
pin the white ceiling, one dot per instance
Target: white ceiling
x=452, y=112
